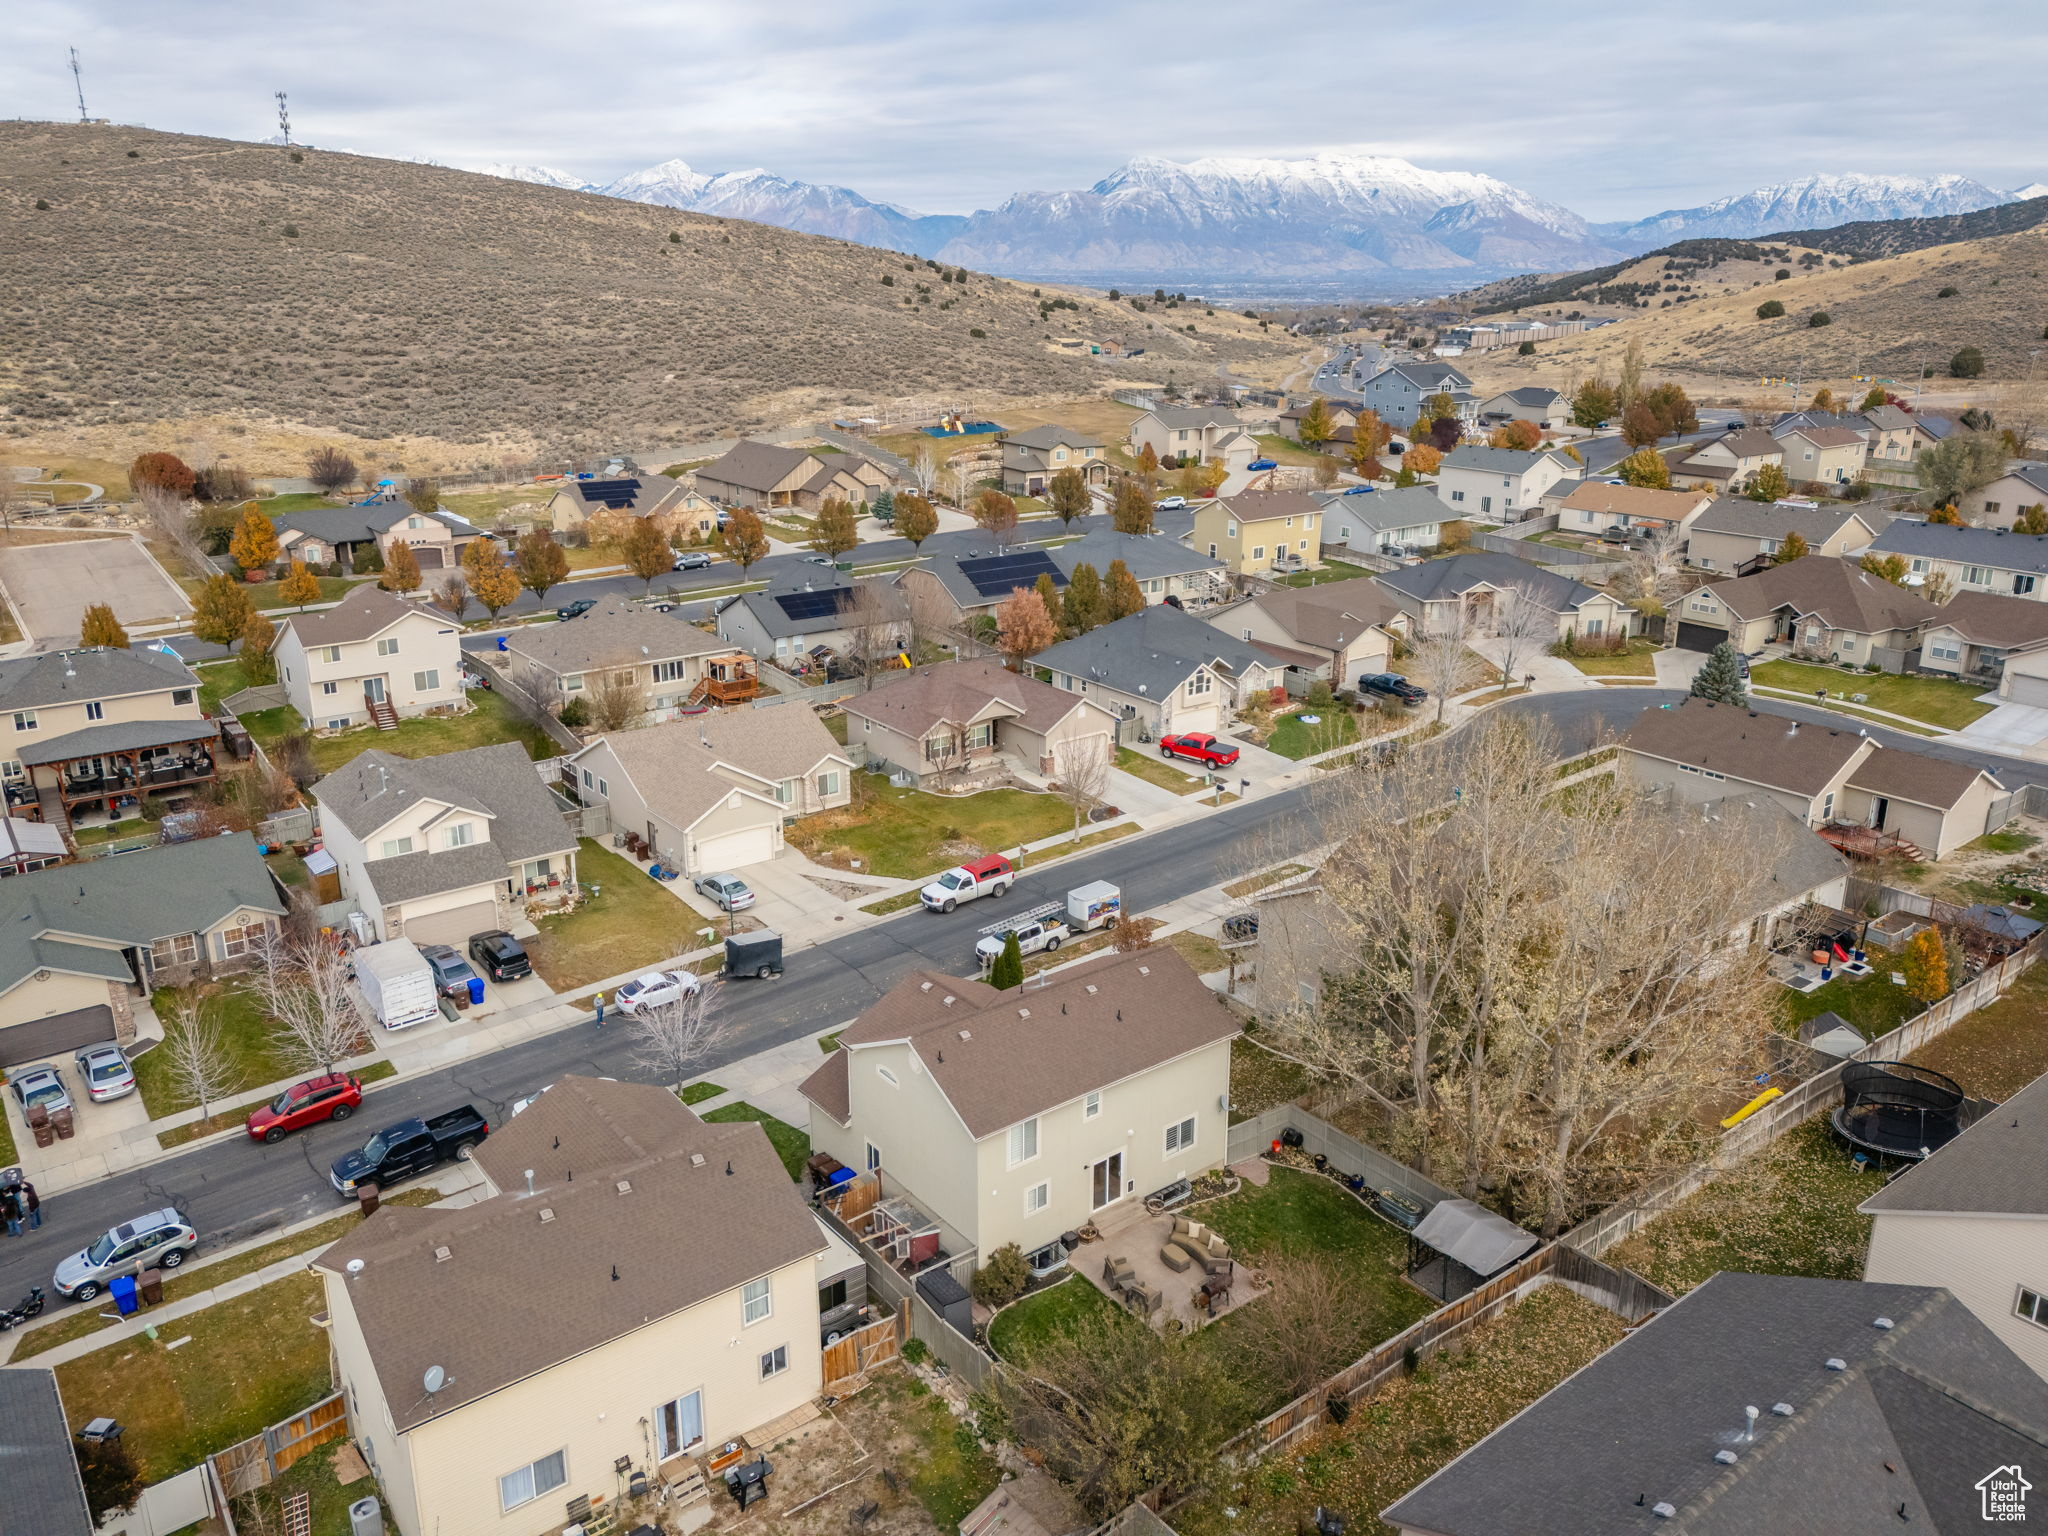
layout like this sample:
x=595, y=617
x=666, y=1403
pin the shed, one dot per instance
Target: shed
x=1831, y=1035
x=949, y=1298
x=1458, y=1244
x=2002, y=921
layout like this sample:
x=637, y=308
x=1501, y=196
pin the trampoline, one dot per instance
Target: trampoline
x=963, y=429
x=1895, y=1109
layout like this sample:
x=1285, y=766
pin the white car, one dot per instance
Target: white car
x=655, y=989
x=1170, y=504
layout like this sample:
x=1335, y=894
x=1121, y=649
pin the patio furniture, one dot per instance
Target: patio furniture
x=1176, y=1258
x=1118, y=1272
x=1224, y=1270
x=1143, y=1299
x=1198, y=1243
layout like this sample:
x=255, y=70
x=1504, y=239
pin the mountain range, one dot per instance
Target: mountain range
x=1333, y=215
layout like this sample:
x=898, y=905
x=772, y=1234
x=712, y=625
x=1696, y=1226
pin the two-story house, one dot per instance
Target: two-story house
x=1738, y=536
x=1031, y=458
x=87, y=735
x=667, y=664
x=1971, y=559
x=713, y=793
x=323, y=535
x=1165, y=569
x=373, y=657
x=1255, y=532
x=80, y=944
x=1999, y=504
x=1497, y=485
x=1396, y=394
x=1532, y=403
x=767, y=475
x=1728, y=463
x=1162, y=670
x=1333, y=631
x=1404, y=519
x=1016, y=1116
x=678, y=507
x=436, y=849
x=487, y=1406
x=1829, y=455
x=1197, y=434
x=1817, y=605
x=963, y=717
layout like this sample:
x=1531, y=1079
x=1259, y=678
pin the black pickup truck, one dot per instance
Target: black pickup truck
x=409, y=1148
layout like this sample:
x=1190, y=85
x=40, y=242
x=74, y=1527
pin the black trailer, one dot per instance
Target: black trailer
x=757, y=954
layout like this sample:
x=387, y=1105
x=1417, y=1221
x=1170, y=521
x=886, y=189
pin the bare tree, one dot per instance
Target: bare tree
x=675, y=1038
x=170, y=519
x=873, y=632
x=617, y=699
x=1444, y=662
x=1305, y=1328
x=1520, y=631
x=200, y=1067
x=1655, y=568
x=305, y=988
x=924, y=470
x=453, y=594
x=1083, y=775
x=931, y=618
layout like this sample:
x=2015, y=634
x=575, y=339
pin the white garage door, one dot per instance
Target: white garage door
x=1200, y=717
x=2021, y=689
x=454, y=926
x=735, y=850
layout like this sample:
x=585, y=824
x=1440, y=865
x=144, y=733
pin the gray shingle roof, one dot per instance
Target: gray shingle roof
x=653, y=493
x=1330, y=615
x=1747, y=443
x=1966, y=546
x=1434, y=579
x=946, y=568
x=359, y=525
x=611, y=634
x=367, y=610
x=1053, y=435
x=75, y=677
x=1500, y=461
x=1839, y=592
x=1179, y=416
x=1428, y=376
x=1993, y=1168
x=674, y=766
x=1533, y=396
x=1743, y=518
x=1146, y=556
x=118, y=736
x=1995, y=619
x=1402, y=506
x=41, y=1493
x=776, y=622
x=958, y=691
x=2032, y=475
x=1149, y=653
x=1915, y=1416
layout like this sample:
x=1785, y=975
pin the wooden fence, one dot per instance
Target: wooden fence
x=861, y=1351
x=253, y=1463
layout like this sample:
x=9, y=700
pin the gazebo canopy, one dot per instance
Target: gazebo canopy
x=1474, y=1236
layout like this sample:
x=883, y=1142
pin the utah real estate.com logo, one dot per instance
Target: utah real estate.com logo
x=2005, y=1494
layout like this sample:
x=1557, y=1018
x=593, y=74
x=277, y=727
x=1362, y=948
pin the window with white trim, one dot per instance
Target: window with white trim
x=1091, y=1106
x=1023, y=1141
x=388, y=646
x=236, y=942
x=874, y=1157
x=462, y=834
x=775, y=1361
x=330, y=653
x=2033, y=1306
x=1198, y=685
x=1945, y=650
x=24, y=719
x=179, y=949
x=328, y=690
x=1037, y=1198
x=828, y=783
x=181, y=695
x=1181, y=1136
x=394, y=846
x=533, y=1480
x=667, y=671
x=428, y=681
x=756, y=1302
x=1258, y=551
x=785, y=792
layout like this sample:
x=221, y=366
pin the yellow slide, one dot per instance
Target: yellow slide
x=1752, y=1107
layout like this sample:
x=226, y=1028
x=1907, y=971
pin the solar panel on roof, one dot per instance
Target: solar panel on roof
x=995, y=575
x=809, y=605
x=612, y=493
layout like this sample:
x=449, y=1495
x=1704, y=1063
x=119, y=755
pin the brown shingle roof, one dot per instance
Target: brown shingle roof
x=1828, y=437
x=959, y=691
x=492, y=1312
x=1840, y=593
x=1929, y=781
x=756, y=466
x=1990, y=618
x=1097, y=1024
x=1331, y=615
x=366, y=611
x=1634, y=501
x=676, y=772
x=827, y=1088
x=1763, y=749
x=1263, y=506
x=1749, y=443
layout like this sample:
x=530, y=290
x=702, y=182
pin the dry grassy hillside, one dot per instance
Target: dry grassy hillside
x=1684, y=274
x=1885, y=318
x=159, y=283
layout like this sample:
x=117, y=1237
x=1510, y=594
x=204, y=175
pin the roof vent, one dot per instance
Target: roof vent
x=924, y=986
x=1883, y=1322
x=442, y=1255
x=1782, y=1410
x=1023, y=1013
x=545, y=1215
x=1663, y=1511
x=966, y=1034
x=1725, y=1458
x=1836, y=1363
x=355, y=1267
x=1144, y=970
x=1750, y=1416
x=696, y=1159
x=1091, y=989
x=950, y=1000
x=624, y=1186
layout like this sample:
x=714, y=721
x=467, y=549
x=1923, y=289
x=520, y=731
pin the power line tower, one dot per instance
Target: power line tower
x=284, y=118
x=78, y=82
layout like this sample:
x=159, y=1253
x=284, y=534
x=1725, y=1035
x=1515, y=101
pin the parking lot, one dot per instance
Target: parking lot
x=51, y=586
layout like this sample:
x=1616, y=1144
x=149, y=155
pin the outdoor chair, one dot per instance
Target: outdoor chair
x=1118, y=1272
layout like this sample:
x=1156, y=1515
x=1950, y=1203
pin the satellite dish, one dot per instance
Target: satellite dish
x=355, y=1267
x=436, y=1379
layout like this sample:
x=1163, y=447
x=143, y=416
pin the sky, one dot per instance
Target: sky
x=1615, y=110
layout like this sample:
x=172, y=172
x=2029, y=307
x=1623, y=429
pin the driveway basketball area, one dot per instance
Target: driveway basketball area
x=51, y=586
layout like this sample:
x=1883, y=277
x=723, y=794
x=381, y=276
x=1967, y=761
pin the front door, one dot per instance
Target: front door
x=373, y=689
x=1109, y=1180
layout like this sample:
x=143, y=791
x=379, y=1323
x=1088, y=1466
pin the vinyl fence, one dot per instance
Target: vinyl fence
x=169, y=1506
x=1347, y=1154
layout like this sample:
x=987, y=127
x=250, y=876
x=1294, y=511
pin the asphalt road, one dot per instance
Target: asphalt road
x=237, y=1190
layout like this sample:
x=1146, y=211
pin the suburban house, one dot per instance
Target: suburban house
x=1164, y=568
x=1334, y=631
x=1032, y=457
x=1876, y=1408
x=679, y=508
x=1343, y=419
x=322, y=535
x=1255, y=532
x=1829, y=455
x=1397, y=393
x=90, y=732
x=1545, y=407
x=1729, y=462
x=1395, y=519
x=372, y=658
x=435, y=849
x=1013, y=1117
x=1976, y=634
x=498, y=1409
x=80, y=944
x=2024, y=484
x=764, y=475
x=1199, y=433
x=1891, y=444
x=827, y=610
x=1817, y=606
x=954, y=589
x=1597, y=506
x=1497, y=485
x=1740, y=536
x=1697, y=751
x=672, y=664
x=46, y=1494
x=1163, y=669
x=1972, y=559
x=1973, y=1219
x=27, y=846
x=712, y=793
x=966, y=717
x=1483, y=589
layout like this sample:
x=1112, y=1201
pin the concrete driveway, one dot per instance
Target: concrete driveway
x=51, y=586
x=2018, y=730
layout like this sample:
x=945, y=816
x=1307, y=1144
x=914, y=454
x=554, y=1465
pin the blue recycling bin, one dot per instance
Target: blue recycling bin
x=476, y=990
x=123, y=1292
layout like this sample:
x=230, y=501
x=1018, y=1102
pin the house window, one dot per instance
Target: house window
x=1229, y=532
x=981, y=736
x=428, y=681
x=1827, y=805
x=180, y=949
x=2032, y=1307
x=388, y=646
x=533, y=1480
x=755, y=1301
x=874, y=1157
x=1976, y=575
x=1486, y=504
x=587, y=780
x=1258, y=551
x=785, y=792
x=24, y=719
x=1037, y=1198
x=181, y=695
x=2021, y=585
x=775, y=1361
x=572, y=684
x=1457, y=495
x=828, y=783
x=330, y=653
x=11, y=769
x=1212, y=551
x=1596, y=626
x=394, y=846
x=95, y=710
x=1198, y=685
x=1247, y=634
x=1304, y=545
x=1181, y=1136
x=667, y=671
x=1091, y=1106
x=462, y=834
x=1990, y=506
x=1945, y=650
x=886, y=1076
x=412, y=522
x=1023, y=1141
x=604, y=789
x=235, y=942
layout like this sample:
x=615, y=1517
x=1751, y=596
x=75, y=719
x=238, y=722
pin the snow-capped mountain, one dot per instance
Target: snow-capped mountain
x=539, y=175
x=2031, y=190
x=1242, y=216
x=1812, y=202
x=821, y=210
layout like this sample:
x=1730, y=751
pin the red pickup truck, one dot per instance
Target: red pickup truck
x=1198, y=747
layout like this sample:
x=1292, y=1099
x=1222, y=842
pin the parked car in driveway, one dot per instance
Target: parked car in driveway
x=577, y=609
x=104, y=1070
x=1199, y=747
x=1257, y=464
x=332, y=1096
x=692, y=560
x=40, y=1084
x=452, y=973
x=1391, y=685
x=656, y=989
x=161, y=1240
x=502, y=956
x=728, y=893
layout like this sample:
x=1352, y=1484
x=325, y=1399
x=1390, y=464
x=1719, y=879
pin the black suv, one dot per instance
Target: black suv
x=577, y=609
x=1392, y=685
x=500, y=955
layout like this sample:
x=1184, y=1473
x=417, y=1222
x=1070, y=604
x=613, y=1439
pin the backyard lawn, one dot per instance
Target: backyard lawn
x=1936, y=700
x=1998, y=1050
x=904, y=833
x=219, y=680
x=266, y=596
x=1047, y=1314
x=295, y=501
x=493, y=720
x=1637, y=661
x=791, y=1145
x=1874, y=1004
x=1332, y=570
x=1294, y=737
x=1157, y=771
x=632, y=922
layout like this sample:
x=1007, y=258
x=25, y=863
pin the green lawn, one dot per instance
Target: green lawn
x=1292, y=737
x=950, y=1473
x=1332, y=570
x=633, y=922
x=246, y=1032
x=266, y=596
x=791, y=1145
x=1157, y=771
x=1935, y=700
x=1873, y=1003
x=492, y=720
x=328, y=1500
x=296, y=501
x=1287, y=451
x=1047, y=1314
x=217, y=681
x=697, y=1093
x=1637, y=661
x=904, y=833
x=2010, y=841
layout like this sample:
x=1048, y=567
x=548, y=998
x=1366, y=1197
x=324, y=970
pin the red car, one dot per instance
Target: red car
x=333, y=1097
x=1198, y=747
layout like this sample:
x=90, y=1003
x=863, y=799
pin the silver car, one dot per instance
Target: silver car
x=38, y=1085
x=161, y=1240
x=104, y=1070
x=728, y=893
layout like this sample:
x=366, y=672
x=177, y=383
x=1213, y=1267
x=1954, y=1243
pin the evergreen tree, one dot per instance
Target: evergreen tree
x=1008, y=970
x=1720, y=678
x=100, y=627
x=1087, y=605
x=1123, y=593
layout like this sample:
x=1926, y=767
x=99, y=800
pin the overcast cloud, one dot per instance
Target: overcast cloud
x=1616, y=110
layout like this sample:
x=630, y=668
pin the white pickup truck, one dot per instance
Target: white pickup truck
x=1046, y=927
x=1041, y=933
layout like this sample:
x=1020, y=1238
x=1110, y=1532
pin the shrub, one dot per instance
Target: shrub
x=674, y=238
x=1949, y=292
x=1819, y=318
x=297, y=158
x=291, y=231
x=1526, y=349
x=888, y=281
x=977, y=332
x=42, y=205
x=369, y=559
x=1003, y=1278
x=1770, y=309
x=1968, y=363
x=575, y=713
